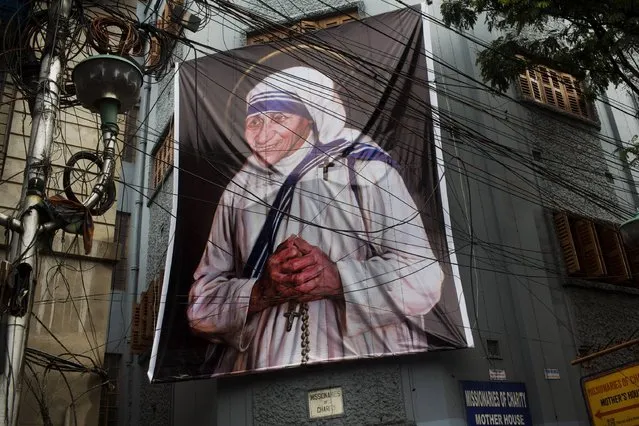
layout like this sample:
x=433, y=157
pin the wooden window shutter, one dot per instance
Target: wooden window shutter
x=154, y=52
x=163, y=157
x=566, y=242
x=534, y=83
x=546, y=83
x=613, y=253
x=143, y=317
x=305, y=26
x=136, y=340
x=591, y=258
x=165, y=19
x=525, y=86
x=335, y=21
x=167, y=23
x=347, y=18
x=576, y=102
x=171, y=145
x=558, y=90
x=150, y=312
x=256, y=39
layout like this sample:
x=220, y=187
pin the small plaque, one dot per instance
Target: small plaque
x=325, y=403
x=496, y=374
x=551, y=374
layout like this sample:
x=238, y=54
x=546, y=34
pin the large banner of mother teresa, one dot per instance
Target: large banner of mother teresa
x=310, y=218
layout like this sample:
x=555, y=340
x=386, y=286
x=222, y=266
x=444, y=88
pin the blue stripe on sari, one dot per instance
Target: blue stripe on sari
x=265, y=243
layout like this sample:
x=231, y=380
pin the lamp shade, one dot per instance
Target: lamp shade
x=630, y=232
x=110, y=78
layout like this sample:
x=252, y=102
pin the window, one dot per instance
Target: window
x=164, y=23
x=609, y=177
x=130, y=135
x=301, y=27
x=121, y=268
x=110, y=390
x=492, y=349
x=145, y=316
x=162, y=158
x=556, y=89
x=595, y=250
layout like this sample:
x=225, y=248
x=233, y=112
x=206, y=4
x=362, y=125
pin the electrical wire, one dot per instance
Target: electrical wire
x=180, y=171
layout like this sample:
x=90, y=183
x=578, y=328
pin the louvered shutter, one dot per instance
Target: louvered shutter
x=150, y=312
x=136, y=345
x=613, y=253
x=524, y=85
x=589, y=251
x=576, y=101
x=558, y=90
x=535, y=85
x=144, y=316
x=549, y=91
x=566, y=242
x=154, y=52
x=170, y=147
x=306, y=26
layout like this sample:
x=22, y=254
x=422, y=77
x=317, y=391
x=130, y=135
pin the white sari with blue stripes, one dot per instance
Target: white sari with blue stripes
x=360, y=213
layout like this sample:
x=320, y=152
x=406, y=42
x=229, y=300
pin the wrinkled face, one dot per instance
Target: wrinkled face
x=275, y=135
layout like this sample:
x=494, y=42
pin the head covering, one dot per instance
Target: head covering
x=305, y=92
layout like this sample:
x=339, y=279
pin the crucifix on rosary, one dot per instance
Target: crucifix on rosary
x=292, y=313
x=325, y=167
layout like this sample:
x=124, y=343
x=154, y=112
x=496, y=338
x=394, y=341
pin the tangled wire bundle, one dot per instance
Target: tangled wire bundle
x=109, y=34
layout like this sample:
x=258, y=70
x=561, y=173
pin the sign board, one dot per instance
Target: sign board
x=496, y=374
x=496, y=403
x=551, y=374
x=613, y=397
x=325, y=403
x=320, y=185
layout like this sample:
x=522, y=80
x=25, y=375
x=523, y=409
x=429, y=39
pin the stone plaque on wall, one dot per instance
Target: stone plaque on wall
x=325, y=403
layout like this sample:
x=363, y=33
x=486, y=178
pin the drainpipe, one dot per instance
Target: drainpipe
x=136, y=231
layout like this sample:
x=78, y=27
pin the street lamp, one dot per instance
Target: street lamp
x=108, y=85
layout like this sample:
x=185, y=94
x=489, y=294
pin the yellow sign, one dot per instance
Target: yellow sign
x=613, y=398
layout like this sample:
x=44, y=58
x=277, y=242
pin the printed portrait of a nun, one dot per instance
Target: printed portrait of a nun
x=317, y=250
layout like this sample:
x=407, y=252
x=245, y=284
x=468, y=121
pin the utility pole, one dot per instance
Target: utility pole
x=25, y=243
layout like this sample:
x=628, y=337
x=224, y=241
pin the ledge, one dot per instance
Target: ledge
x=605, y=287
x=101, y=251
x=560, y=114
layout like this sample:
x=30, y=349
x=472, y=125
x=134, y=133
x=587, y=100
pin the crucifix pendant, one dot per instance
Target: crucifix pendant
x=291, y=314
x=325, y=169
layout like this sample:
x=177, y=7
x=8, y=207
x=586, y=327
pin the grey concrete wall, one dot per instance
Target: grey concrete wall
x=155, y=401
x=605, y=315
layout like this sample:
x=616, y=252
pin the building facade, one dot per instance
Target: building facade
x=535, y=185
x=73, y=292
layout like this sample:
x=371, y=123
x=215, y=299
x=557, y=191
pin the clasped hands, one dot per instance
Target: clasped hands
x=296, y=271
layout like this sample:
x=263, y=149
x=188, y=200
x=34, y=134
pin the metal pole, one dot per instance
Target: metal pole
x=44, y=116
x=133, y=276
x=605, y=351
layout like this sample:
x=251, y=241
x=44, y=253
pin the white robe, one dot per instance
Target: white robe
x=385, y=290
